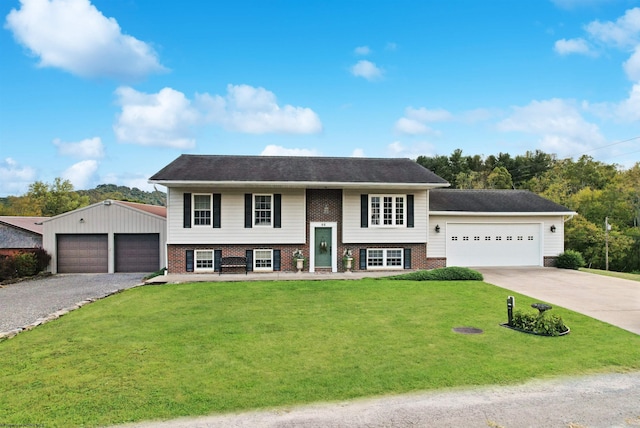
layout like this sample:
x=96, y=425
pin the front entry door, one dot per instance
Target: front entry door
x=323, y=247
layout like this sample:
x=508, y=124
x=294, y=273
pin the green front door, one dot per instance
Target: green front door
x=323, y=247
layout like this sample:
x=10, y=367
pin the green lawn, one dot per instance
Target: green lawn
x=623, y=275
x=161, y=352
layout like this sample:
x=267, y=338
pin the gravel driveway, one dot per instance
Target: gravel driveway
x=25, y=302
x=609, y=400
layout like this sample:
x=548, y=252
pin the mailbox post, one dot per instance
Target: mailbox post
x=511, y=302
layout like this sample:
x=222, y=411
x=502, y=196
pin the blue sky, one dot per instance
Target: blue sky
x=110, y=91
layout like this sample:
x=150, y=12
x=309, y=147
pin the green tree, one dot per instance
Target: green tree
x=56, y=198
x=500, y=178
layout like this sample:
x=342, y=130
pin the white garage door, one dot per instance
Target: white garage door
x=493, y=244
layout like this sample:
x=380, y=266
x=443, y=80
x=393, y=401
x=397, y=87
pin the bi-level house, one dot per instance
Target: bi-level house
x=265, y=208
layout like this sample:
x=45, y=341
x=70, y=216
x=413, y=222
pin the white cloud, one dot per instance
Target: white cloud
x=362, y=50
x=425, y=115
x=415, y=120
x=367, y=69
x=89, y=148
x=162, y=119
x=627, y=110
x=14, y=178
x=357, y=153
x=75, y=36
x=255, y=111
x=632, y=65
x=411, y=127
x=558, y=124
x=572, y=46
x=273, y=150
x=624, y=33
x=130, y=180
x=81, y=174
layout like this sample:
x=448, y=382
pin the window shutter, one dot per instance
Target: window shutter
x=407, y=258
x=217, y=199
x=248, y=208
x=363, y=259
x=249, y=257
x=189, y=258
x=277, y=210
x=186, y=215
x=217, y=260
x=276, y=259
x=410, y=211
x=364, y=210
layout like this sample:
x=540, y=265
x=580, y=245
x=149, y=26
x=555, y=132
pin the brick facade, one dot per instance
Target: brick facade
x=550, y=261
x=436, y=262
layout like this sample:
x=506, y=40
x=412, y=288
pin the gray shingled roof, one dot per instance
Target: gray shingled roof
x=214, y=168
x=491, y=201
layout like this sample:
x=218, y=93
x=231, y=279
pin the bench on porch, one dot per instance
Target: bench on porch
x=233, y=262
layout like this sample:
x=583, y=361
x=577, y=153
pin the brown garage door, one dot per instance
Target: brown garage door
x=137, y=252
x=83, y=253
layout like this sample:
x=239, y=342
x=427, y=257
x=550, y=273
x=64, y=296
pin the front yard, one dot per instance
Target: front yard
x=161, y=352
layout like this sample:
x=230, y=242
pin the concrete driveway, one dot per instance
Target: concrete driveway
x=612, y=300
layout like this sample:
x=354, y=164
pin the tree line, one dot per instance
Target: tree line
x=51, y=199
x=595, y=190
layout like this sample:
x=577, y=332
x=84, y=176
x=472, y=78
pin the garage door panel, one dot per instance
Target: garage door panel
x=137, y=252
x=493, y=244
x=82, y=253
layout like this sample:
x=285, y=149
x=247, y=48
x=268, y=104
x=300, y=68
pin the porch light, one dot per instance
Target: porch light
x=437, y=229
x=82, y=220
x=553, y=228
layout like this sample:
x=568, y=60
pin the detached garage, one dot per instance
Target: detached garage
x=107, y=237
x=476, y=228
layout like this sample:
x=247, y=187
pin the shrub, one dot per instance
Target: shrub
x=7, y=268
x=570, y=259
x=543, y=324
x=26, y=264
x=453, y=273
x=43, y=258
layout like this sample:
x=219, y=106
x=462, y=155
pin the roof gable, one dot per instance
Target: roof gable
x=492, y=201
x=31, y=224
x=214, y=168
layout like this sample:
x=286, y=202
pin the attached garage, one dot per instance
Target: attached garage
x=484, y=244
x=137, y=252
x=107, y=237
x=87, y=253
x=494, y=228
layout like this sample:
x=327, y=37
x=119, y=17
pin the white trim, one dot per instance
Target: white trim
x=384, y=258
x=334, y=243
x=195, y=260
x=497, y=214
x=193, y=209
x=298, y=184
x=394, y=197
x=253, y=210
x=263, y=269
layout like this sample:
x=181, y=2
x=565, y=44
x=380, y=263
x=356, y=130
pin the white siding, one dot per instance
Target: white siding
x=100, y=218
x=232, y=230
x=553, y=243
x=353, y=233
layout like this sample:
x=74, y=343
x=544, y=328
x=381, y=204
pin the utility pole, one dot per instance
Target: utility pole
x=606, y=242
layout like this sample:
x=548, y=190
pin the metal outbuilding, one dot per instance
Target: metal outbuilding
x=107, y=237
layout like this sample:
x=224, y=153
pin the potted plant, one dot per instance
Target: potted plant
x=347, y=259
x=298, y=259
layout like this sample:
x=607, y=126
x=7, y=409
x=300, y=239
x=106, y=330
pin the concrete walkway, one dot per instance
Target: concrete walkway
x=612, y=300
x=271, y=276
